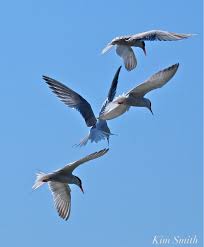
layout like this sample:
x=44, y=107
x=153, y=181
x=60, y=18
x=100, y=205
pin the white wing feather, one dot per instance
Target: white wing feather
x=155, y=81
x=128, y=56
x=62, y=198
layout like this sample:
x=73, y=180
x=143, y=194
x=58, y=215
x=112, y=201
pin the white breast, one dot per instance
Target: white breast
x=113, y=109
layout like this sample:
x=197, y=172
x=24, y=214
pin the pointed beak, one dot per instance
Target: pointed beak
x=108, y=141
x=151, y=111
x=144, y=50
x=82, y=189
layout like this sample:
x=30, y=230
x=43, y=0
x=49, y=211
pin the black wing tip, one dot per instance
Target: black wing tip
x=64, y=217
x=105, y=150
x=120, y=67
x=52, y=83
x=67, y=217
x=44, y=77
x=47, y=79
x=174, y=66
x=117, y=72
x=171, y=69
x=101, y=152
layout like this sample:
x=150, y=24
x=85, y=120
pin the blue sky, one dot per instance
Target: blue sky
x=150, y=182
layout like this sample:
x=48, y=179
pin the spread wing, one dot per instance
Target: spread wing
x=72, y=99
x=112, y=90
x=74, y=165
x=159, y=35
x=155, y=81
x=128, y=56
x=62, y=198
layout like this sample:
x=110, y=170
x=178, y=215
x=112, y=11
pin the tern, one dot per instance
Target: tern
x=59, y=180
x=135, y=97
x=123, y=44
x=99, y=128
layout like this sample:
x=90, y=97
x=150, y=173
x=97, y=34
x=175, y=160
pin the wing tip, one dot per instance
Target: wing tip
x=101, y=152
x=171, y=69
x=117, y=73
x=130, y=67
x=47, y=79
x=190, y=34
x=174, y=66
x=104, y=151
x=119, y=68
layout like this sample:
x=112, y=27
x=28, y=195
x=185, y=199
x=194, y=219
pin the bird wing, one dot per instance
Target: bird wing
x=62, y=198
x=70, y=167
x=158, y=35
x=128, y=56
x=155, y=81
x=112, y=90
x=72, y=99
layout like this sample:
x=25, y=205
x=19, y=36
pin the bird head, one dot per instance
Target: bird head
x=79, y=183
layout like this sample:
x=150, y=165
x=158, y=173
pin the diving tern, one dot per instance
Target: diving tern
x=99, y=128
x=59, y=180
x=124, y=44
x=135, y=97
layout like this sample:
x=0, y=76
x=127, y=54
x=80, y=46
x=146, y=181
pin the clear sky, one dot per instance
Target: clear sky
x=150, y=182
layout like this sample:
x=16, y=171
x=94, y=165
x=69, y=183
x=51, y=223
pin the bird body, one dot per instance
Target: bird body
x=115, y=108
x=99, y=128
x=135, y=97
x=59, y=180
x=97, y=133
x=124, y=44
x=127, y=40
x=60, y=176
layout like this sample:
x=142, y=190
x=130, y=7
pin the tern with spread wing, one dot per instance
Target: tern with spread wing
x=99, y=128
x=59, y=181
x=135, y=97
x=124, y=44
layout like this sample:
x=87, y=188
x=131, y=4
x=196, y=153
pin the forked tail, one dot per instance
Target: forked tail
x=95, y=135
x=107, y=48
x=39, y=180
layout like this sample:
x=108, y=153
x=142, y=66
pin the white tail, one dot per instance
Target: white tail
x=39, y=180
x=95, y=135
x=107, y=48
x=84, y=141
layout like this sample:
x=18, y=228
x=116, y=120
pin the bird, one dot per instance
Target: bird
x=99, y=128
x=135, y=97
x=125, y=43
x=59, y=180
